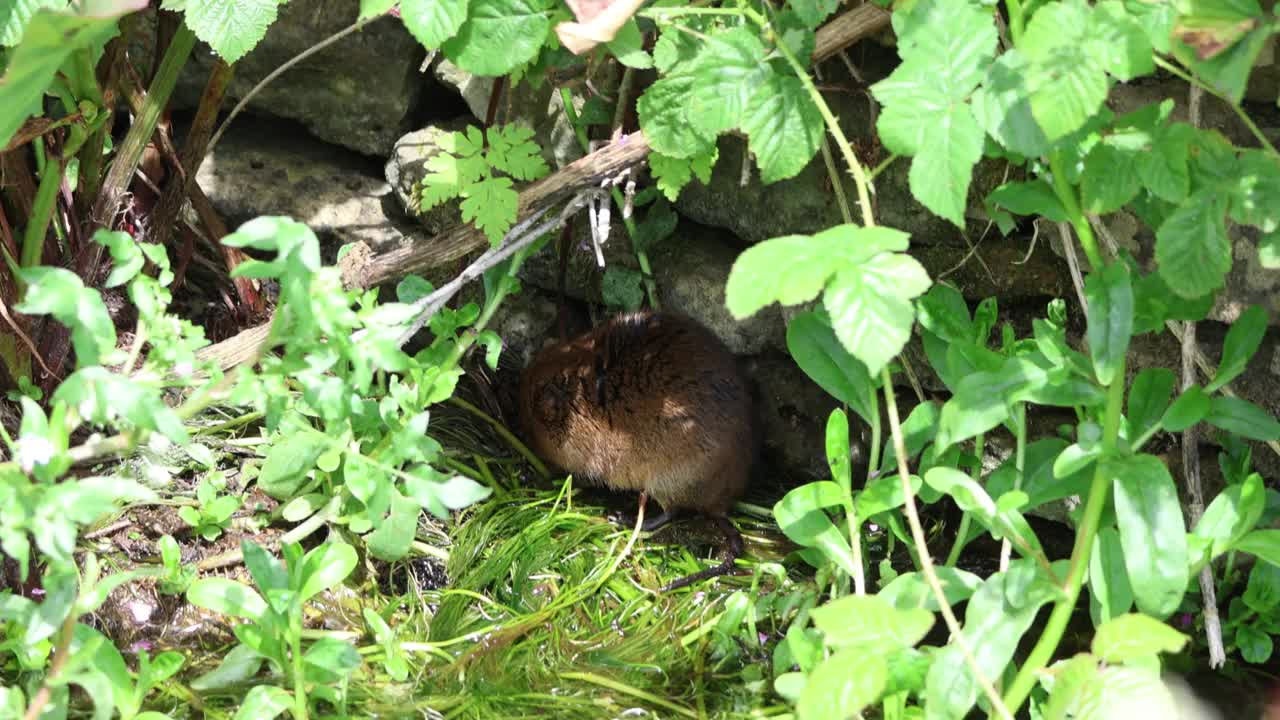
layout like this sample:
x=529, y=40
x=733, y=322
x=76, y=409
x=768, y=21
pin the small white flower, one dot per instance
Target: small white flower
x=183, y=369
x=33, y=450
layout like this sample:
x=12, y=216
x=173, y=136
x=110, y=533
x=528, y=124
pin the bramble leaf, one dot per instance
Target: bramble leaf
x=499, y=36
x=1193, y=252
x=432, y=22
x=231, y=27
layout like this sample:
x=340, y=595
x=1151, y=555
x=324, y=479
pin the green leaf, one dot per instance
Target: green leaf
x=240, y=664
x=946, y=49
x=1152, y=531
x=1108, y=579
x=264, y=702
x=663, y=112
x=324, y=567
x=1148, y=399
x=1068, y=82
x=992, y=628
x=1132, y=692
x=60, y=293
x=813, y=344
x=628, y=47
x=231, y=27
x=837, y=445
x=1269, y=251
x=1242, y=341
x=1243, y=418
x=491, y=205
x=15, y=15
x=1154, y=304
x=1262, y=594
x=432, y=22
x=513, y=150
x=871, y=624
x=801, y=518
x=1220, y=41
x=267, y=571
x=126, y=256
x=1163, y=166
x=1232, y=514
x=1029, y=198
x=330, y=660
x=1193, y=252
x=1110, y=180
x=1263, y=543
x=911, y=590
x=1110, y=326
x=794, y=268
x=49, y=39
x=499, y=36
x=227, y=597
x=783, y=126
x=1076, y=691
x=973, y=499
x=1002, y=106
x=813, y=12
x=870, y=306
x=842, y=686
x=981, y=400
x=1255, y=645
x=288, y=461
x=622, y=287
x=105, y=398
x=919, y=429
x=1190, y=408
x=373, y=8
x=1119, y=42
x=1255, y=198
x=1130, y=637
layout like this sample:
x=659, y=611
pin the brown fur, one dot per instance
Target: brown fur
x=650, y=402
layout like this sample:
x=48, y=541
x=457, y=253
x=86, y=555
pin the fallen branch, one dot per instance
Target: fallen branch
x=847, y=29
x=363, y=269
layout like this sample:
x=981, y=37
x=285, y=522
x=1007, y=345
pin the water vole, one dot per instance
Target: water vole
x=651, y=402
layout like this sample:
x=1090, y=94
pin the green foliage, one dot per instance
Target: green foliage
x=212, y=513
x=272, y=632
x=465, y=168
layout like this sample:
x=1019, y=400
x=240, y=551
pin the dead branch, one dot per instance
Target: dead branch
x=847, y=29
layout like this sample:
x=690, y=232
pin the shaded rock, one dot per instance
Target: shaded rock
x=358, y=93
x=793, y=413
x=523, y=322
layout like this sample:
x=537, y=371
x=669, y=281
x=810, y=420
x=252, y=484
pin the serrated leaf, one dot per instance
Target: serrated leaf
x=1110, y=180
x=491, y=205
x=513, y=150
x=1118, y=40
x=231, y=27
x=783, y=127
x=1067, y=83
x=1002, y=106
x=870, y=306
x=793, y=269
x=1163, y=166
x=946, y=50
x=1193, y=252
x=1242, y=341
x=1221, y=42
x=813, y=12
x=499, y=36
x=663, y=112
x=1152, y=531
x=1255, y=198
x=432, y=22
x=1110, y=321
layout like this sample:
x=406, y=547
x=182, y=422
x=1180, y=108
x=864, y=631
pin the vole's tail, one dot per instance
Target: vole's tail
x=724, y=568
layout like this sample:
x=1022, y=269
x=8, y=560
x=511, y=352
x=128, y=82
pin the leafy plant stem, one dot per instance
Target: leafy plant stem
x=884, y=165
x=846, y=150
x=873, y=457
x=1019, y=462
x=1244, y=116
x=1016, y=19
x=299, y=677
x=642, y=257
x=625, y=689
x=135, y=349
x=61, y=654
x=41, y=213
x=834, y=175
x=922, y=548
x=962, y=535
x=1067, y=195
x=1043, y=651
